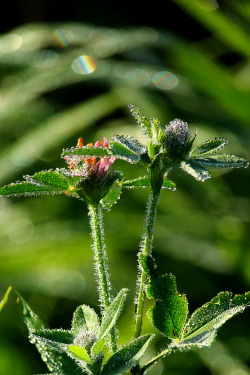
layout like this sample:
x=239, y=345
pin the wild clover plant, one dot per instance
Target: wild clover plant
x=91, y=346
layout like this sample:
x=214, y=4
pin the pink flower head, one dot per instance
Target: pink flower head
x=89, y=166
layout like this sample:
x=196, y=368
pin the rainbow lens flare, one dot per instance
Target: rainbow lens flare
x=84, y=65
x=165, y=80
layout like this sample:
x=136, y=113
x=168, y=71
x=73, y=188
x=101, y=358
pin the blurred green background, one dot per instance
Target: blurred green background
x=67, y=72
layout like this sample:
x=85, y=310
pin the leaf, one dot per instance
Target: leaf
x=79, y=353
x=198, y=172
x=127, y=148
x=85, y=319
x=209, y=147
x=168, y=184
x=144, y=182
x=142, y=121
x=127, y=357
x=87, y=151
x=97, y=348
x=27, y=189
x=56, y=339
x=221, y=161
x=201, y=329
x=56, y=178
x=5, y=298
x=112, y=313
x=169, y=313
x=54, y=360
x=113, y=195
x=138, y=182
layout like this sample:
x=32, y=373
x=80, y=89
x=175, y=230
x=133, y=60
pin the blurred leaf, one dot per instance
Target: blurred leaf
x=5, y=298
x=224, y=27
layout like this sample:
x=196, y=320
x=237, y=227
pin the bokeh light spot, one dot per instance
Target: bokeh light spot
x=207, y=5
x=138, y=77
x=10, y=43
x=45, y=59
x=165, y=80
x=21, y=231
x=62, y=37
x=84, y=65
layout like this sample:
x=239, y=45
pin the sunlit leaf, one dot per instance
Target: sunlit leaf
x=79, y=352
x=208, y=147
x=198, y=172
x=5, y=298
x=201, y=329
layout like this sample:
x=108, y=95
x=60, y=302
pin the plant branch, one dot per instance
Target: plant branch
x=100, y=257
x=146, y=248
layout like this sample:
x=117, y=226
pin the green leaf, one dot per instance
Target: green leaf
x=170, y=311
x=79, y=353
x=87, y=151
x=201, y=329
x=142, y=121
x=144, y=182
x=97, y=348
x=85, y=319
x=56, y=339
x=221, y=161
x=168, y=184
x=113, y=195
x=209, y=147
x=28, y=189
x=55, y=361
x=112, y=313
x=198, y=172
x=127, y=148
x=56, y=178
x=5, y=298
x=127, y=357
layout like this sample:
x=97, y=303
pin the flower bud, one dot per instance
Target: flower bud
x=176, y=141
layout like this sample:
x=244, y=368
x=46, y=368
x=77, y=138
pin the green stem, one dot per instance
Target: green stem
x=146, y=248
x=100, y=257
x=153, y=361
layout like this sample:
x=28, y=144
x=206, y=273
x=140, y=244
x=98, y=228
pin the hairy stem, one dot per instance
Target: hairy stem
x=100, y=257
x=146, y=248
x=153, y=361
